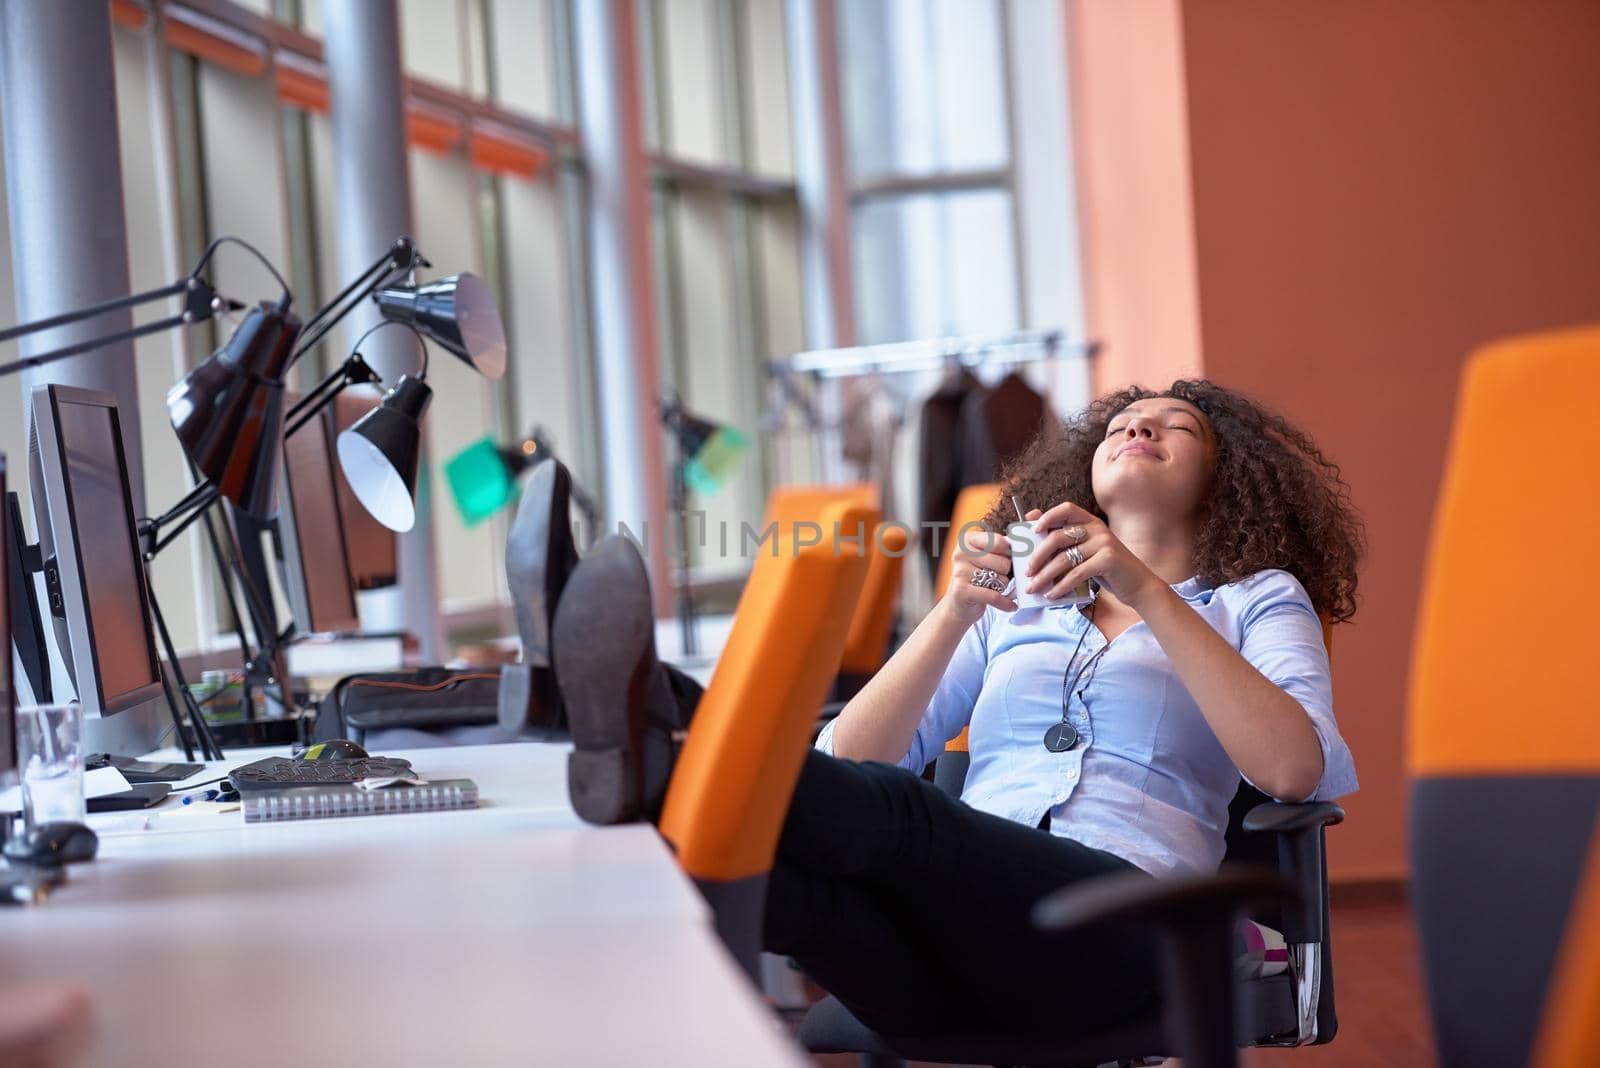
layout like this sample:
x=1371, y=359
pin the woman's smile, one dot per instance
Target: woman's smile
x=1136, y=449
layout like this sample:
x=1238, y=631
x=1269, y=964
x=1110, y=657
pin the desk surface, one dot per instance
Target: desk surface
x=510, y=934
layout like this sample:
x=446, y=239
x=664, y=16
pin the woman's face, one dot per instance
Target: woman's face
x=1158, y=454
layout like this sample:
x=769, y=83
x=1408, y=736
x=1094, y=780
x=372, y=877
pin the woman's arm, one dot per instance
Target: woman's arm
x=1266, y=732
x=878, y=723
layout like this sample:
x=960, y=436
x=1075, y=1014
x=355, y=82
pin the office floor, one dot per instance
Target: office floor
x=1382, y=1011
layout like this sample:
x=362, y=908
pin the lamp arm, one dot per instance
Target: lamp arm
x=191, y=507
x=353, y=371
x=200, y=303
x=403, y=255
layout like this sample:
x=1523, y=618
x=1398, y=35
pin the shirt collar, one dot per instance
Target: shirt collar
x=1194, y=588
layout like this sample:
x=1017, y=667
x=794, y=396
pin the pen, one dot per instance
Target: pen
x=212, y=795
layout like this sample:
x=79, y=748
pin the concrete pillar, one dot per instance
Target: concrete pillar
x=627, y=348
x=69, y=246
x=361, y=41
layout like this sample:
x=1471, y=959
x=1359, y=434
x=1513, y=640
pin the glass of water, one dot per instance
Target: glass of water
x=50, y=753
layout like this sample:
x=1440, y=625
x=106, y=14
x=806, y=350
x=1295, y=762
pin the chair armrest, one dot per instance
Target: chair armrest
x=1299, y=829
x=1193, y=917
x=1135, y=897
x=1279, y=817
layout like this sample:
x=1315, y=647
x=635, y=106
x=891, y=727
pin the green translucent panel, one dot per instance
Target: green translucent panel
x=479, y=481
x=717, y=460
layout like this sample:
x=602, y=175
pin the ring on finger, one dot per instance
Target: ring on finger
x=1076, y=533
x=988, y=579
x=1074, y=556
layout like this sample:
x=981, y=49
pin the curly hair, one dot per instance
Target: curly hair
x=1275, y=500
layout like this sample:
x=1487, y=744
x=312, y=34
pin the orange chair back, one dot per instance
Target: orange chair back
x=731, y=788
x=1503, y=738
x=867, y=642
x=972, y=504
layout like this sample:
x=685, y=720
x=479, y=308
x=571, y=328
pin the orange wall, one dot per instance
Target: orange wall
x=1137, y=230
x=1376, y=190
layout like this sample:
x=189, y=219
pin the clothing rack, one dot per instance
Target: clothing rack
x=907, y=356
x=822, y=404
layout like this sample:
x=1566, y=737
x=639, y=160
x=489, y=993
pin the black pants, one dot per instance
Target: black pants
x=913, y=908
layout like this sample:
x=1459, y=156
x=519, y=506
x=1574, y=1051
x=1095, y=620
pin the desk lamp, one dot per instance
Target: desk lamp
x=708, y=455
x=227, y=413
x=483, y=476
x=380, y=453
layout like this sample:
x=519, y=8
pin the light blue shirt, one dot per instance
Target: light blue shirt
x=1147, y=780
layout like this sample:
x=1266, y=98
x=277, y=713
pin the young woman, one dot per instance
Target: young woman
x=1106, y=737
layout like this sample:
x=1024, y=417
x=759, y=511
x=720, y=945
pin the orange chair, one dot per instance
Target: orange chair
x=731, y=788
x=972, y=504
x=872, y=624
x=1503, y=747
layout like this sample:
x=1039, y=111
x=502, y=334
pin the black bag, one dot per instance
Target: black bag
x=425, y=699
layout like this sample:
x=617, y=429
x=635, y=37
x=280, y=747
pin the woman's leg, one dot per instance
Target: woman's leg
x=837, y=930
x=960, y=886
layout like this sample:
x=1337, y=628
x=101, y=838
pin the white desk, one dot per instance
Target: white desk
x=513, y=934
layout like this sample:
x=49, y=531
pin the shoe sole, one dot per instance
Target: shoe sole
x=604, y=642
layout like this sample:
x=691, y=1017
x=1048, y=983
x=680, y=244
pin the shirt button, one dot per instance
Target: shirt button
x=1072, y=773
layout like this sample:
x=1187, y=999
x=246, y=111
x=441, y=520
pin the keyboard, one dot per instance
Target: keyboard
x=140, y=771
x=274, y=773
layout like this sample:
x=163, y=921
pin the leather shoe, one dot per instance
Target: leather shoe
x=540, y=557
x=626, y=721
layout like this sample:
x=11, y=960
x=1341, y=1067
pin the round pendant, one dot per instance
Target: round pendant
x=1060, y=737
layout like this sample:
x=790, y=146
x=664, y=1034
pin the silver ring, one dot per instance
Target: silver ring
x=1074, y=557
x=988, y=579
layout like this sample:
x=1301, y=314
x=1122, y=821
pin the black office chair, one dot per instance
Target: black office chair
x=1275, y=871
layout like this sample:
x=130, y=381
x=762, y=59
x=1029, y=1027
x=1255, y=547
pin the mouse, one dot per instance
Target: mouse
x=53, y=844
x=335, y=749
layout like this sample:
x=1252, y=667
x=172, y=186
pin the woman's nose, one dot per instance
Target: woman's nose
x=1139, y=428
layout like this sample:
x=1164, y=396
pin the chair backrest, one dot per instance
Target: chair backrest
x=972, y=504
x=731, y=787
x=867, y=640
x=1503, y=744
x=866, y=644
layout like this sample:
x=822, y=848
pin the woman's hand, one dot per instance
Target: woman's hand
x=976, y=549
x=1050, y=569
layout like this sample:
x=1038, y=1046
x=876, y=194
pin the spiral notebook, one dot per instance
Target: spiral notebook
x=326, y=802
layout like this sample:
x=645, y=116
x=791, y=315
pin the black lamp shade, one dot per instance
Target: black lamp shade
x=458, y=313
x=228, y=412
x=380, y=454
x=691, y=431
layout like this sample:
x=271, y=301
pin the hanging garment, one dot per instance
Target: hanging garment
x=997, y=425
x=941, y=453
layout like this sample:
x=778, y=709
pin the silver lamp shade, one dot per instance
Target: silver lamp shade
x=458, y=313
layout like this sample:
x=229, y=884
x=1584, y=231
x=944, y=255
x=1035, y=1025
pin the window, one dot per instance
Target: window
x=725, y=219
x=933, y=212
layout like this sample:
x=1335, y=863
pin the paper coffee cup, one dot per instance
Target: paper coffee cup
x=1025, y=539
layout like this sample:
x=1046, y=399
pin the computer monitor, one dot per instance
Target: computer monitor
x=31, y=679
x=94, y=572
x=8, y=693
x=372, y=547
x=311, y=543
